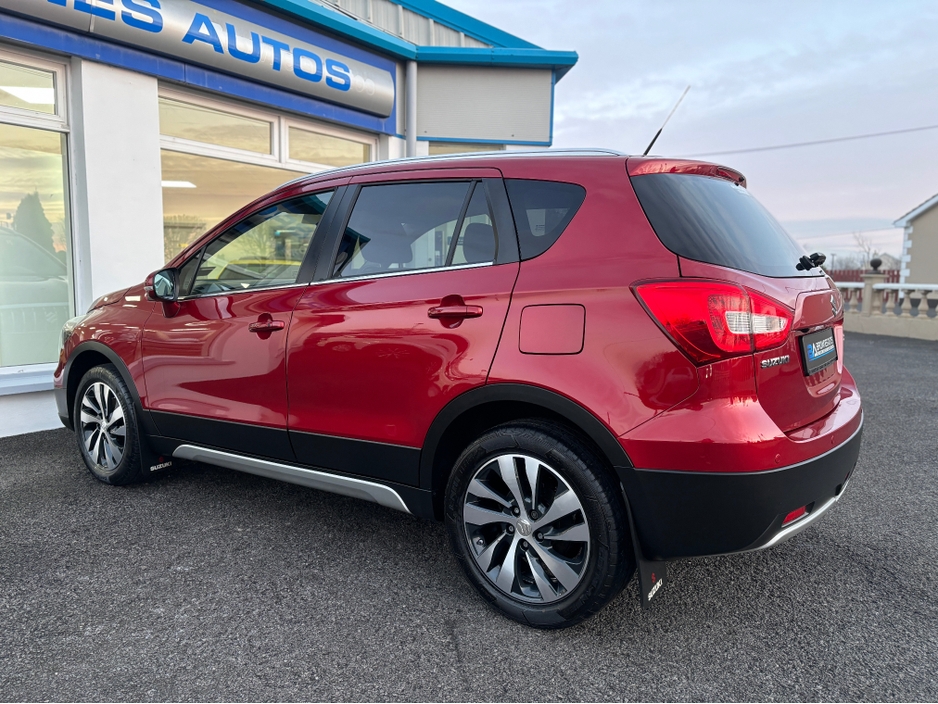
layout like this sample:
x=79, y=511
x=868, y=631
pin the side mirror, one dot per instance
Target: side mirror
x=161, y=286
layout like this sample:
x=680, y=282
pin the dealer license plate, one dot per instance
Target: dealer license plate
x=818, y=351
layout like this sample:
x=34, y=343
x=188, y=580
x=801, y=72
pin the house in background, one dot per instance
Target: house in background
x=920, y=243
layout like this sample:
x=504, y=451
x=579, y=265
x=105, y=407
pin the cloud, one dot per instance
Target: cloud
x=762, y=73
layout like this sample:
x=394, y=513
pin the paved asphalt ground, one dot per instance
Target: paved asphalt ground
x=214, y=585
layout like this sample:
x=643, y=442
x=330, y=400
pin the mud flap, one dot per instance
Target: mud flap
x=151, y=460
x=652, y=574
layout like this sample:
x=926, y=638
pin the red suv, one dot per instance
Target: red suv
x=582, y=362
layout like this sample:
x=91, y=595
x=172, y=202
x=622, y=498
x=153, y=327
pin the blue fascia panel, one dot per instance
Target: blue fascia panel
x=74, y=44
x=509, y=50
x=436, y=11
x=302, y=31
x=346, y=26
x=559, y=61
x=462, y=22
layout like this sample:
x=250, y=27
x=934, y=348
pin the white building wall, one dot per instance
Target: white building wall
x=27, y=413
x=118, y=220
x=484, y=103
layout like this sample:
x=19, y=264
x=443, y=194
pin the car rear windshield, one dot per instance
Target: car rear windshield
x=715, y=221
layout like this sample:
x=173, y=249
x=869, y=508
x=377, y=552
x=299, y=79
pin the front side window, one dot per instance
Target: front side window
x=264, y=250
x=413, y=226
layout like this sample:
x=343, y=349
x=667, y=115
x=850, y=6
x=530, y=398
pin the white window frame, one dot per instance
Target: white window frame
x=280, y=134
x=29, y=378
x=33, y=118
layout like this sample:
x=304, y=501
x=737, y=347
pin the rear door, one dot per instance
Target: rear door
x=404, y=316
x=214, y=361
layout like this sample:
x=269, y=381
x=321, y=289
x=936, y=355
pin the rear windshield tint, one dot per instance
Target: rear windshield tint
x=542, y=210
x=715, y=221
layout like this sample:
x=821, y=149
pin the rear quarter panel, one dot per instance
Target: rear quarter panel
x=627, y=370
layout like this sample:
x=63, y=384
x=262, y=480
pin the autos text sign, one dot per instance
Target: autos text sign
x=200, y=33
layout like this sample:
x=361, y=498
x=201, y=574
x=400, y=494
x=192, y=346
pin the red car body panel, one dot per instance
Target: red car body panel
x=367, y=362
x=628, y=370
x=117, y=324
x=200, y=359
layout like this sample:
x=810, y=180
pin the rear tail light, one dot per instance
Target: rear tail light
x=713, y=320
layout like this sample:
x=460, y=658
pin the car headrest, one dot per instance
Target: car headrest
x=386, y=249
x=478, y=243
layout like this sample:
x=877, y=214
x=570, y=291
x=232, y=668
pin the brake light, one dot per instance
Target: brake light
x=713, y=320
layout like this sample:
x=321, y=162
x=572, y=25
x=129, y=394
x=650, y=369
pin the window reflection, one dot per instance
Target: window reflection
x=27, y=88
x=201, y=124
x=326, y=149
x=35, y=291
x=199, y=192
x=264, y=250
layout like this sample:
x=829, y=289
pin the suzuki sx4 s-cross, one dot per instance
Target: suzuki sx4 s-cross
x=584, y=363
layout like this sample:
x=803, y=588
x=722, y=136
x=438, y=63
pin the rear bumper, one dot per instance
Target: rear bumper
x=692, y=514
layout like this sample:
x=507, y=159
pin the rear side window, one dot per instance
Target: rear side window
x=413, y=226
x=715, y=221
x=542, y=211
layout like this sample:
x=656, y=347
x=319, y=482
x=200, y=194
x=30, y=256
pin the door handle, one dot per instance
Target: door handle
x=266, y=326
x=455, y=312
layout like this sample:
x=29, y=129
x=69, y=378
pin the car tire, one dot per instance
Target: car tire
x=106, y=427
x=548, y=557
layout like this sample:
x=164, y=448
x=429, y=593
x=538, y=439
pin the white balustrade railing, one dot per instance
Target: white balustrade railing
x=874, y=307
x=913, y=300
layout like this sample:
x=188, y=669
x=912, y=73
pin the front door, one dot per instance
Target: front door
x=408, y=318
x=214, y=360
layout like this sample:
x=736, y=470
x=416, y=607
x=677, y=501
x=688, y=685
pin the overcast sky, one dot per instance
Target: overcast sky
x=762, y=74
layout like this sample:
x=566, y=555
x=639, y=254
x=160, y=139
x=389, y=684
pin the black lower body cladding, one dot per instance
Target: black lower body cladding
x=692, y=514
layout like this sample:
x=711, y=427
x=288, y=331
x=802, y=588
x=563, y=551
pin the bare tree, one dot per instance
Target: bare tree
x=865, y=245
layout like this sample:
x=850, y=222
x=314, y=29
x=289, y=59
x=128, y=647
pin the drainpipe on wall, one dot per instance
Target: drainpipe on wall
x=410, y=126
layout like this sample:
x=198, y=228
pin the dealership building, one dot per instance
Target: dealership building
x=130, y=127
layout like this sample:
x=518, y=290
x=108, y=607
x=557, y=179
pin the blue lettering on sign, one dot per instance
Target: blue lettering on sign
x=147, y=16
x=278, y=47
x=150, y=11
x=298, y=55
x=202, y=30
x=254, y=56
x=85, y=6
x=339, y=75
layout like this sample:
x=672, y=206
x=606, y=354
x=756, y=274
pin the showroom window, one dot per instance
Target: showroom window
x=35, y=233
x=217, y=157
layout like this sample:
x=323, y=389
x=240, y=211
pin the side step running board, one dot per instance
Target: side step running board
x=333, y=483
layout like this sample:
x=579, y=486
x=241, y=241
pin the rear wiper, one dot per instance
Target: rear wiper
x=810, y=262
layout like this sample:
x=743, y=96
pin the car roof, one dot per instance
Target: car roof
x=469, y=159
